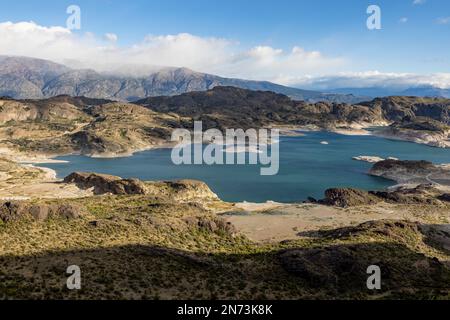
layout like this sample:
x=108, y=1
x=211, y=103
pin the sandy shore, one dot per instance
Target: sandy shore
x=24, y=181
x=250, y=206
x=49, y=174
x=31, y=159
x=357, y=129
x=293, y=221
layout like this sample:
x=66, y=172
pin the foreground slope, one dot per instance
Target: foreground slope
x=174, y=241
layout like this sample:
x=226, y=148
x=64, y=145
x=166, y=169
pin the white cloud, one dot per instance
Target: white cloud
x=111, y=37
x=403, y=20
x=445, y=20
x=374, y=79
x=418, y=2
x=205, y=54
x=276, y=65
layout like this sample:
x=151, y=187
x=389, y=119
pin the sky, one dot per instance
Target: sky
x=304, y=43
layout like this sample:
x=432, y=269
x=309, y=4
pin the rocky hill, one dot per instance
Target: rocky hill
x=27, y=78
x=419, y=130
x=232, y=107
x=228, y=106
x=64, y=125
x=396, y=108
x=411, y=172
x=99, y=127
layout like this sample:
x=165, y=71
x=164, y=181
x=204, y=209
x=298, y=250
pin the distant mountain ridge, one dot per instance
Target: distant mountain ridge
x=29, y=78
x=374, y=92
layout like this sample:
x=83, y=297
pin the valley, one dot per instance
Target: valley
x=178, y=239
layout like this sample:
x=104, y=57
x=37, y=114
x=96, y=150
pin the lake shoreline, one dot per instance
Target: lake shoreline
x=300, y=138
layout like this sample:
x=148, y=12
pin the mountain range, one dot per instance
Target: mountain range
x=29, y=78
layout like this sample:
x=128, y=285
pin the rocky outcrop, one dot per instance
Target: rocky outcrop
x=392, y=229
x=372, y=159
x=414, y=172
x=407, y=108
x=103, y=184
x=408, y=166
x=347, y=197
x=420, y=130
x=422, y=194
x=181, y=191
x=213, y=225
x=69, y=211
x=13, y=211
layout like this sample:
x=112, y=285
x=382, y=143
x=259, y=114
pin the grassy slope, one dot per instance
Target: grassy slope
x=135, y=247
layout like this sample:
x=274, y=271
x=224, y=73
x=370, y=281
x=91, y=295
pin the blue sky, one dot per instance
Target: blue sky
x=412, y=38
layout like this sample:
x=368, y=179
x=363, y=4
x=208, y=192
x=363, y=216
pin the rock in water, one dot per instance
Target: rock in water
x=370, y=159
x=417, y=172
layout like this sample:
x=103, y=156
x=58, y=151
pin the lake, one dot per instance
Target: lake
x=307, y=167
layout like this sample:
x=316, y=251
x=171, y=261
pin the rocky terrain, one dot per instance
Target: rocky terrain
x=161, y=240
x=412, y=172
x=232, y=104
x=422, y=194
x=27, y=78
x=419, y=130
x=65, y=125
x=177, y=240
x=421, y=120
x=231, y=107
x=418, y=119
x=103, y=128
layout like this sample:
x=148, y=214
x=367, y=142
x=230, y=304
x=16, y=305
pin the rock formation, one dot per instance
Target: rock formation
x=16, y=210
x=103, y=184
x=413, y=172
x=422, y=194
x=347, y=197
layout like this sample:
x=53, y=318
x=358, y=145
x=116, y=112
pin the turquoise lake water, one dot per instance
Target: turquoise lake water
x=307, y=167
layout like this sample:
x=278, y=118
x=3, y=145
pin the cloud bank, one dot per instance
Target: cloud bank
x=212, y=55
x=371, y=79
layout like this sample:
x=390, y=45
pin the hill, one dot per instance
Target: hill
x=99, y=127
